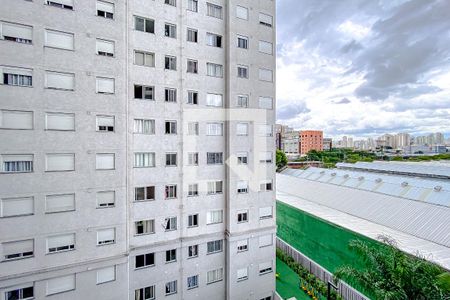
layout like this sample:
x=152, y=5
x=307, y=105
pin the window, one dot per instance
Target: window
x=213, y=40
x=60, y=284
x=193, y=251
x=242, y=245
x=192, y=35
x=193, y=5
x=170, y=63
x=242, y=158
x=242, y=216
x=146, y=293
x=192, y=282
x=170, y=224
x=105, y=85
x=16, y=32
x=66, y=4
x=214, y=10
x=170, y=30
x=214, y=70
x=59, y=39
x=265, y=240
x=171, y=127
x=265, y=268
x=193, y=220
x=214, y=158
x=193, y=190
x=265, y=47
x=171, y=255
x=144, y=227
x=144, y=260
x=214, y=217
x=106, y=199
x=17, y=76
x=242, y=128
x=171, y=159
x=142, y=126
x=104, y=161
x=242, y=42
x=61, y=243
x=214, y=246
x=16, y=119
x=265, y=20
x=144, y=92
x=242, y=187
x=105, y=47
x=59, y=81
x=265, y=75
x=170, y=95
x=144, y=24
x=106, y=236
x=107, y=274
x=192, y=97
x=55, y=162
x=266, y=298
x=265, y=212
x=242, y=274
x=171, y=287
x=171, y=191
x=144, y=193
x=266, y=102
x=193, y=128
x=21, y=293
x=242, y=71
x=215, y=187
x=265, y=157
x=242, y=12
x=171, y=2
x=105, y=123
x=145, y=59
x=59, y=121
x=192, y=66
x=214, y=100
x=105, y=9
x=242, y=101
x=20, y=163
x=193, y=158
x=144, y=159
x=265, y=185
x=18, y=249
x=59, y=203
x=14, y=207
x=214, y=276
x=265, y=130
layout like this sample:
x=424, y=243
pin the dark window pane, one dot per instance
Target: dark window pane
x=138, y=92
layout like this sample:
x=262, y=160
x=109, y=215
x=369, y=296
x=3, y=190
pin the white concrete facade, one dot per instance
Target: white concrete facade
x=71, y=177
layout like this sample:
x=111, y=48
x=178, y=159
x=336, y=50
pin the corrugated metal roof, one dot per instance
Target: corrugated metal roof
x=418, y=218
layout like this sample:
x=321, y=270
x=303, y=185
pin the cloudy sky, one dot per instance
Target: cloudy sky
x=364, y=67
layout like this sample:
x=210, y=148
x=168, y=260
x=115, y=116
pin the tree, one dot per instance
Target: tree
x=389, y=273
x=281, y=159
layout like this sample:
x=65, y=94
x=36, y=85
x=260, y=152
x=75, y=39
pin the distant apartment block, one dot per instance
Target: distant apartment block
x=310, y=140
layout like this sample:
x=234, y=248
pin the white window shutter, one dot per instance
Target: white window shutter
x=105, y=121
x=55, y=80
x=59, y=121
x=60, y=284
x=242, y=243
x=266, y=75
x=265, y=211
x=105, y=85
x=265, y=240
x=266, y=47
x=242, y=12
x=242, y=184
x=265, y=18
x=242, y=273
x=104, y=161
x=17, y=206
x=60, y=162
x=105, y=46
x=59, y=39
x=265, y=265
x=105, y=6
x=56, y=203
x=61, y=240
x=15, y=247
x=106, y=274
x=16, y=30
x=105, y=198
x=106, y=234
x=18, y=71
x=266, y=102
x=14, y=119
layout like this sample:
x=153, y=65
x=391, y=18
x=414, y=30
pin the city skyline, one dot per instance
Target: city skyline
x=364, y=68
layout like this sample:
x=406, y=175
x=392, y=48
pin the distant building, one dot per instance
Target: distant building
x=290, y=143
x=310, y=140
x=327, y=144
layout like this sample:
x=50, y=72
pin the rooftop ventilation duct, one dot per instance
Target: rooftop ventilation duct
x=438, y=188
x=405, y=184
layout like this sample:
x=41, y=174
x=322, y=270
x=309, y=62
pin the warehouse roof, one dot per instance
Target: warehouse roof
x=373, y=207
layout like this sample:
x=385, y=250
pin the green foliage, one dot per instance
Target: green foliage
x=390, y=273
x=334, y=156
x=281, y=159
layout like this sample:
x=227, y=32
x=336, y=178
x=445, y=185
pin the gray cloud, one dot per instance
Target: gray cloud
x=341, y=101
x=291, y=111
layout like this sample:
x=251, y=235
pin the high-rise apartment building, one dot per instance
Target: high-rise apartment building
x=137, y=153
